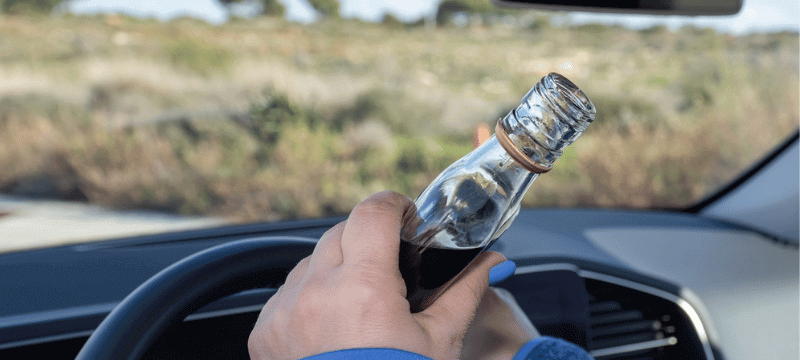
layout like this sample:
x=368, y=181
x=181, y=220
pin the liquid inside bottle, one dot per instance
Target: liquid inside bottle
x=472, y=202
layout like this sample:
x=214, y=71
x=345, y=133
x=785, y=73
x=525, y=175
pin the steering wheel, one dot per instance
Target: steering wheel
x=164, y=300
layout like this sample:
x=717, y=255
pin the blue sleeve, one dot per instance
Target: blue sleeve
x=541, y=348
x=548, y=348
x=368, y=354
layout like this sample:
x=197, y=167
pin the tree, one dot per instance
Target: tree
x=266, y=7
x=228, y=4
x=391, y=21
x=448, y=8
x=28, y=6
x=325, y=7
x=272, y=8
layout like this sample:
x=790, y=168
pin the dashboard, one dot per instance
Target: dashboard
x=569, y=286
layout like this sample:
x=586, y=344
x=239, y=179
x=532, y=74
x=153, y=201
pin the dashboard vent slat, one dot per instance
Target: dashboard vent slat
x=621, y=340
x=601, y=307
x=647, y=356
x=627, y=327
x=615, y=317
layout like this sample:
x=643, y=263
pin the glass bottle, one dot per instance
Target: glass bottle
x=472, y=202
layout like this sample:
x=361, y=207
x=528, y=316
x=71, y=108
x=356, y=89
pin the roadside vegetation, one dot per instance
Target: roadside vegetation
x=263, y=119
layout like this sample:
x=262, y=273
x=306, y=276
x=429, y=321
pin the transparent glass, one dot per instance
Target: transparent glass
x=472, y=202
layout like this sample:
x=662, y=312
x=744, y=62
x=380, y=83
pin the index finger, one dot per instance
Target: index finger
x=372, y=233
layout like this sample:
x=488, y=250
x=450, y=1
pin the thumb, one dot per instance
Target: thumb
x=453, y=311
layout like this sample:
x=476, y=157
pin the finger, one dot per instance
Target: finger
x=452, y=312
x=371, y=236
x=480, y=134
x=501, y=271
x=328, y=251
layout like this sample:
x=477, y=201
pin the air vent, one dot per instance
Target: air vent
x=628, y=324
x=617, y=330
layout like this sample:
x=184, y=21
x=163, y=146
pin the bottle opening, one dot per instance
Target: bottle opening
x=576, y=99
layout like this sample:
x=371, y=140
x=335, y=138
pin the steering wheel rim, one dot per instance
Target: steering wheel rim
x=169, y=296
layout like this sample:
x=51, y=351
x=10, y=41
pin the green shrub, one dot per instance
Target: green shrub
x=200, y=56
x=267, y=118
x=272, y=8
x=325, y=7
x=28, y=6
x=391, y=21
x=619, y=112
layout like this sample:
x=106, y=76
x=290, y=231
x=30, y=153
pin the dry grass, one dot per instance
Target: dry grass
x=176, y=117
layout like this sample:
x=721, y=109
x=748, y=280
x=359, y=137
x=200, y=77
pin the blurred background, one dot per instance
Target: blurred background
x=265, y=110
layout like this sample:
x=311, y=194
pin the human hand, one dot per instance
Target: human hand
x=500, y=328
x=349, y=294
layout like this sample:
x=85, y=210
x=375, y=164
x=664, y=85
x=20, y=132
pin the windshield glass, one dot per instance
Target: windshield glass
x=121, y=119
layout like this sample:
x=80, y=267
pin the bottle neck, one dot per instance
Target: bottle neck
x=550, y=117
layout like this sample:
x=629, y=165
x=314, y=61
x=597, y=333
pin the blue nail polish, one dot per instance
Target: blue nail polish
x=501, y=271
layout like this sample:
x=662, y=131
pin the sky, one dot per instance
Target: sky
x=755, y=16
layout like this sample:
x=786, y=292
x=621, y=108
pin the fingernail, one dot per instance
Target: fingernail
x=501, y=271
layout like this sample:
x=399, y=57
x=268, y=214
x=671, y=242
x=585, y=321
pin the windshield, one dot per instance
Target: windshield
x=114, y=122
